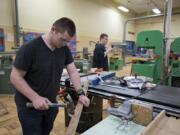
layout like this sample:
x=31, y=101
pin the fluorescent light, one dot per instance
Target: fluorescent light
x=123, y=8
x=156, y=10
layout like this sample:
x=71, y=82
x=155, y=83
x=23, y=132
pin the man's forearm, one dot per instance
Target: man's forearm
x=75, y=79
x=74, y=76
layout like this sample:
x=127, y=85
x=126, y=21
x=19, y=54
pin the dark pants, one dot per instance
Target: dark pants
x=35, y=122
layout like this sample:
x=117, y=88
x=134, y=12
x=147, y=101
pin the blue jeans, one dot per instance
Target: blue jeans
x=35, y=122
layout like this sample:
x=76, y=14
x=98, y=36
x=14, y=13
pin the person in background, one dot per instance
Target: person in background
x=36, y=76
x=100, y=59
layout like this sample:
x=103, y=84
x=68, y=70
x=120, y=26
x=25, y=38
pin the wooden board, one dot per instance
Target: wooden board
x=71, y=130
x=163, y=125
x=153, y=124
x=143, y=113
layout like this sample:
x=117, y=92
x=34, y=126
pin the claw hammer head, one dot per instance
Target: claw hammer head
x=70, y=104
x=66, y=97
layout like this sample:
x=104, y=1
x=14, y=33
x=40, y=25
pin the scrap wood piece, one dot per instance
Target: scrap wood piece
x=148, y=130
x=71, y=130
x=163, y=125
x=172, y=125
x=3, y=109
x=143, y=113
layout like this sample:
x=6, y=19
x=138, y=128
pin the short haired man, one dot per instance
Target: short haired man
x=100, y=59
x=36, y=75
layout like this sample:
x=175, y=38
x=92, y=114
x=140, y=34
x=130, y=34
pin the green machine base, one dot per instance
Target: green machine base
x=5, y=70
x=115, y=63
x=83, y=64
x=5, y=85
x=146, y=69
x=174, y=78
x=152, y=40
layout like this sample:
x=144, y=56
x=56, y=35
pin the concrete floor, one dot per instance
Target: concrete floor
x=9, y=124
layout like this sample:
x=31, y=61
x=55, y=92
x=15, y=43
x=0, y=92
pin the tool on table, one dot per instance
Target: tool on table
x=100, y=78
x=124, y=111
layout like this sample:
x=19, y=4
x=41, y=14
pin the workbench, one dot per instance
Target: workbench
x=161, y=97
x=161, y=125
x=113, y=125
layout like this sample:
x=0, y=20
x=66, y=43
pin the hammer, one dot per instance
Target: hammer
x=69, y=105
x=30, y=105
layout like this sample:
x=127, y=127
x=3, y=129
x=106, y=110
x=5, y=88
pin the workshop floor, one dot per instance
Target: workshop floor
x=9, y=124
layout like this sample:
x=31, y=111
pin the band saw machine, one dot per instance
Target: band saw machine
x=151, y=63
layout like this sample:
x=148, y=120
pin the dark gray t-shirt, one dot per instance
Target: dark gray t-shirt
x=99, y=61
x=43, y=66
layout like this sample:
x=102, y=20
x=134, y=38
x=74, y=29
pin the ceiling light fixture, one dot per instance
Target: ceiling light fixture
x=123, y=8
x=156, y=10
